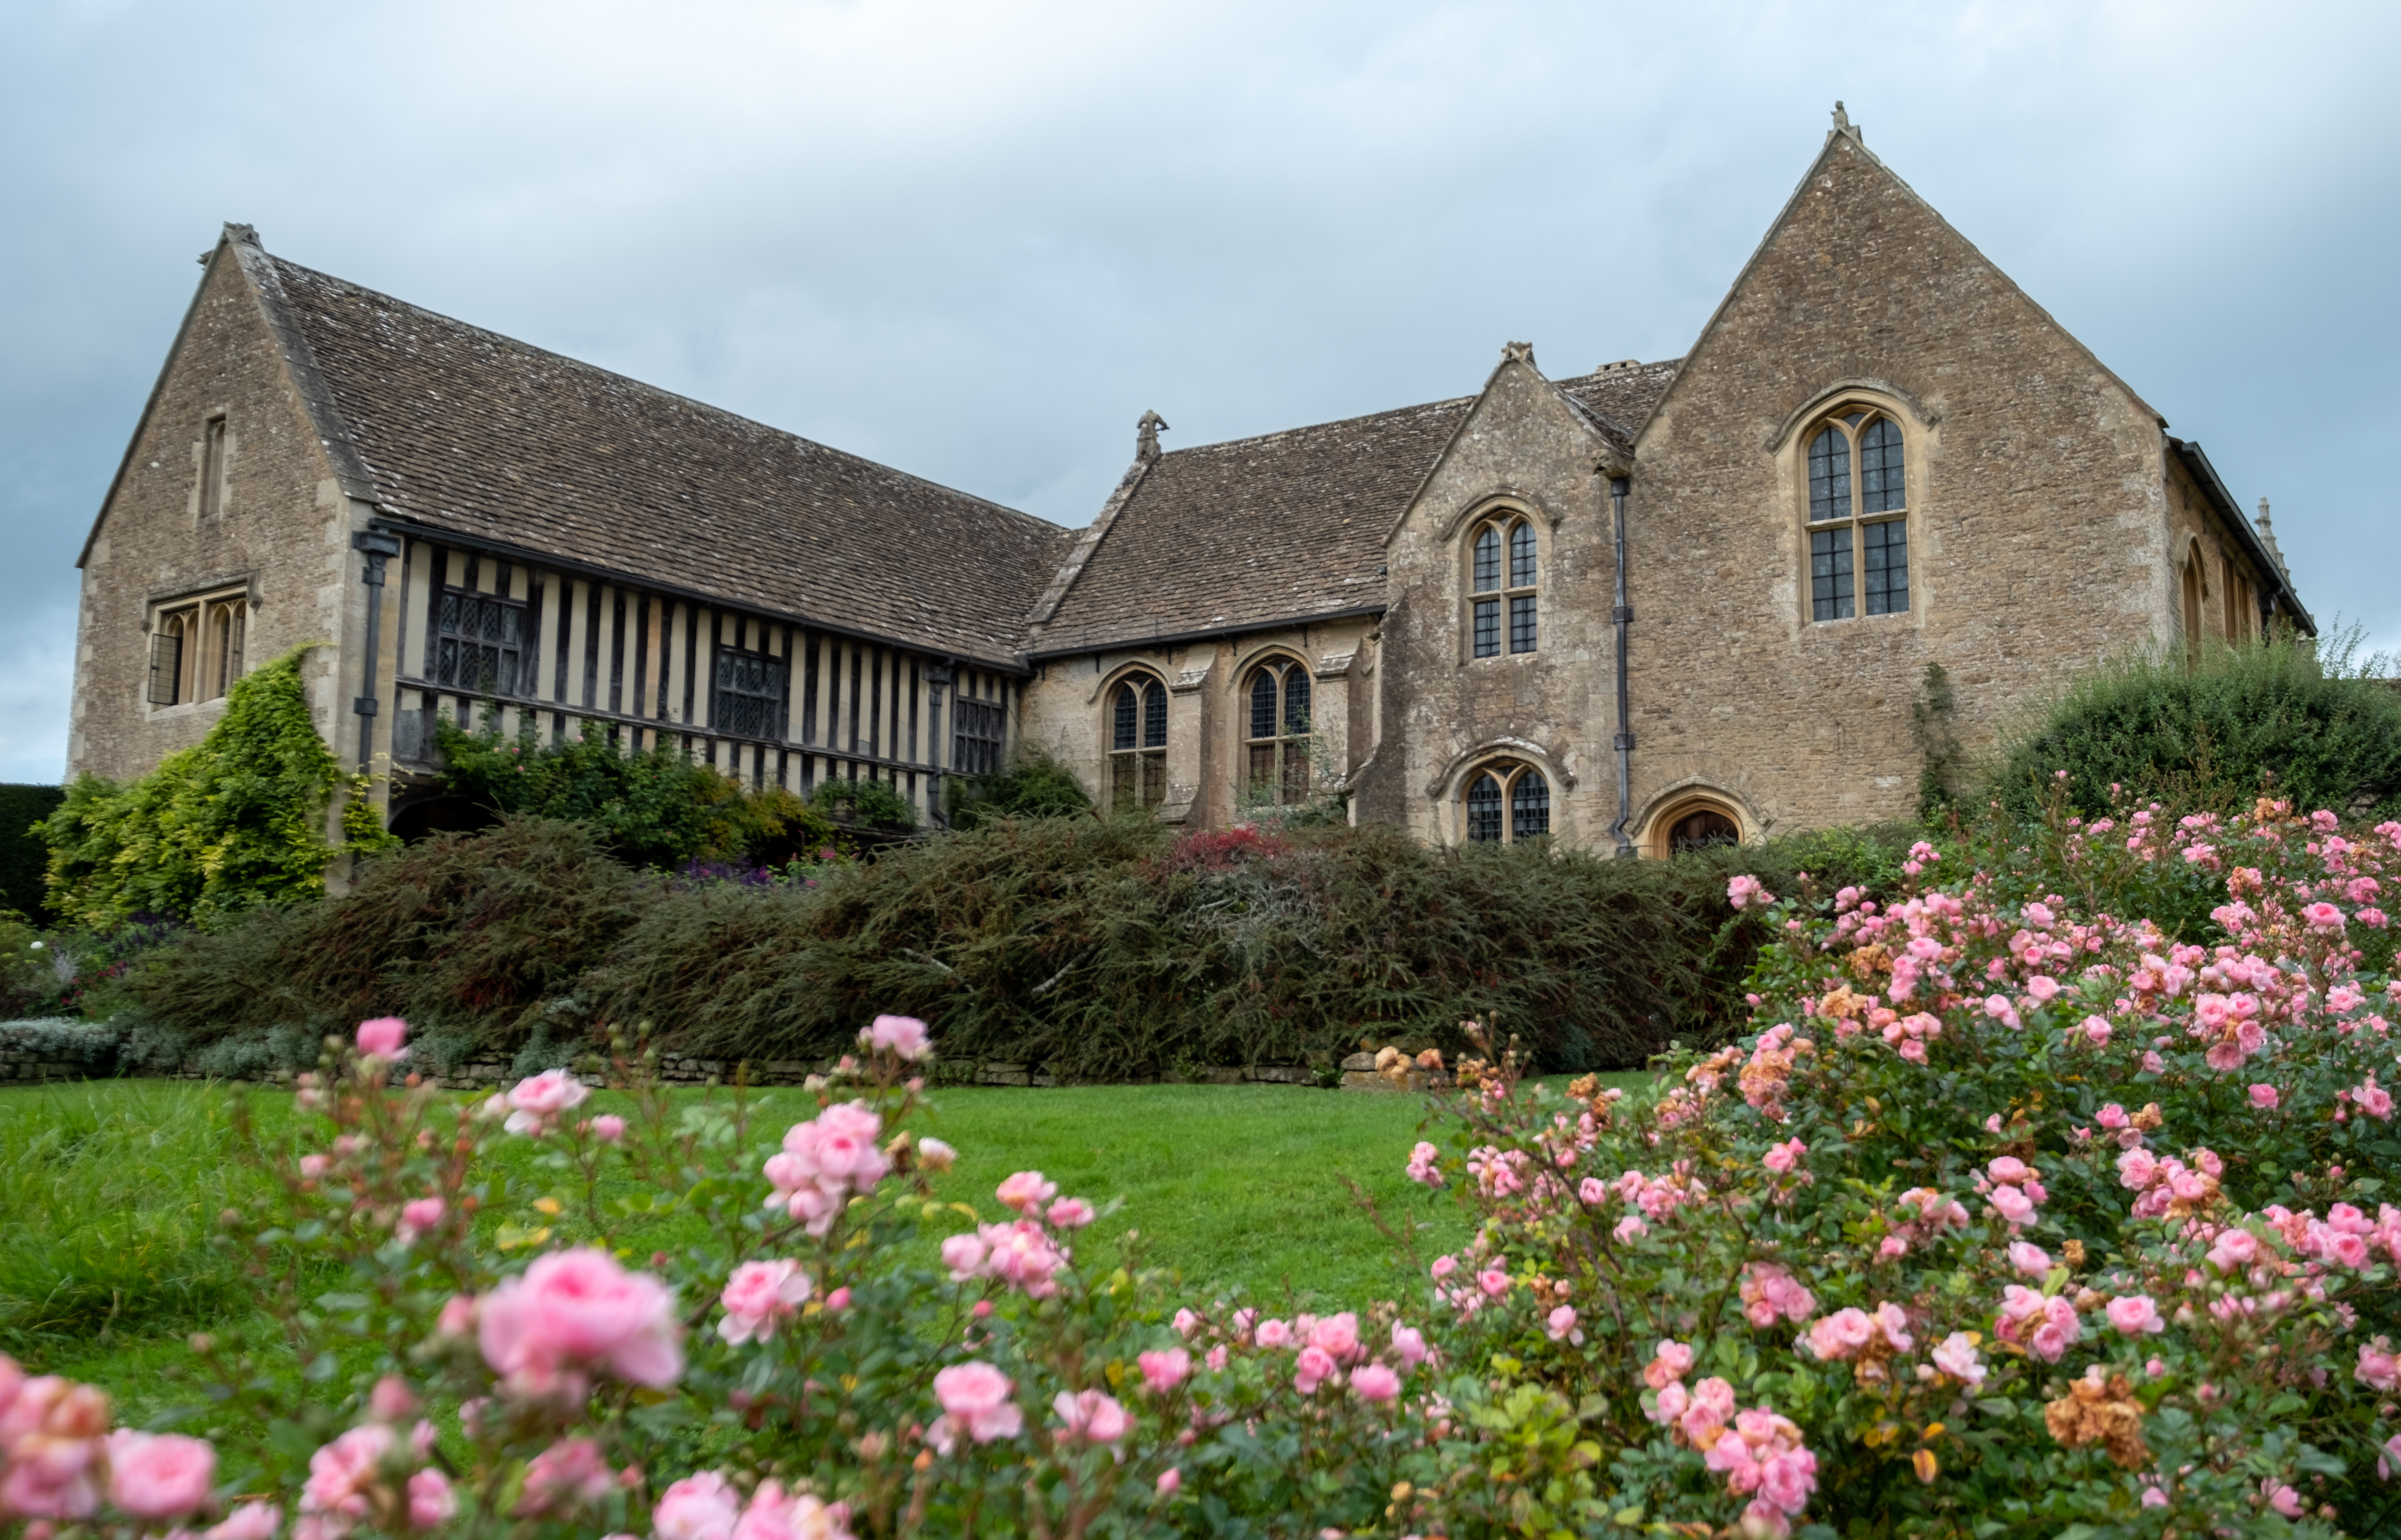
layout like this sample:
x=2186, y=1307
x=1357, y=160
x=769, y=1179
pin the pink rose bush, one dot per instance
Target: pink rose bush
x=2096, y=1222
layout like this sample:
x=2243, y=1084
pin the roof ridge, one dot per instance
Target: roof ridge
x=660, y=390
x=1314, y=427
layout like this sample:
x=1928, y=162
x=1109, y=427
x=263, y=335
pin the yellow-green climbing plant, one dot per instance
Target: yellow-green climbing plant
x=233, y=823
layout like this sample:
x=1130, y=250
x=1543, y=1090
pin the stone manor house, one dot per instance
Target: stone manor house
x=1650, y=605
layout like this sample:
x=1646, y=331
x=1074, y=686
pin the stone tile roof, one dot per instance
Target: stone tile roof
x=1285, y=526
x=464, y=430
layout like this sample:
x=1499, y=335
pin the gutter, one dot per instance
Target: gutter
x=1165, y=638
x=2205, y=474
x=1623, y=616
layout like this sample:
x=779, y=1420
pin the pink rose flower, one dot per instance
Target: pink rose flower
x=904, y=1037
x=1216, y=1358
x=1273, y=1334
x=2134, y=1314
x=2013, y=1204
x=1168, y=1479
x=1070, y=1214
x=250, y=1521
x=342, y=1473
x=1670, y=1361
x=416, y=1216
x=2137, y=1169
x=608, y=1128
x=382, y=1037
x=1186, y=1322
x=2379, y=1369
x=963, y=1254
x=571, y=1474
x=1410, y=1343
x=1561, y=1326
x=537, y=1101
x=1314, y=1366
x=1784, y=1157
x=1840, y=1334
x=1164, y=1370
x=1743, y=891
x=1091, y=1416
x=975, y=1395
x=758, y=1296
x=1026, y=1192
x=701, y=1506
x=2265, y=1098
x=159, y=1474
x=2029, y=1258
x=1493, y=1281
x=801, y=1516
x=934, y=1155
x=1956, y=1356
x=1338, y=1335
x=574, y=1313
x=1374, y=1383
x=431, y=1504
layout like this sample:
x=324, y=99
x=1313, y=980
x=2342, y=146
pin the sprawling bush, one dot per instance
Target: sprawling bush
x=1033, y=786
x=234, y=823
x=2013, y=1217
x=2204, y=729
x=653, y=807
x=480, y=937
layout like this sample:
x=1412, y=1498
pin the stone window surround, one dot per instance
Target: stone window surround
x=212, y=457
x=1507, y=769
x=1449, y=790
x=1791, y=443
x=1680, y=802
x=1500, y=513
x=1286, y=661
x=1141, y=676
x=201, y=604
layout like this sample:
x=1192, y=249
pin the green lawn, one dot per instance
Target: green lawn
x=108, y=1192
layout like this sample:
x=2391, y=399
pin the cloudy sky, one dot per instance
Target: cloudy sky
x=975, y=240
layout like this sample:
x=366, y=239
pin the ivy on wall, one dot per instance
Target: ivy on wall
x=233, y=823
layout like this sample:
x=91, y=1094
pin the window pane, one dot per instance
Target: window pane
x=750, y=694
x=1882, y=487
x=166, y=664
x=1484, y=809
x=1123, y=787
x=1829, y=475
x=1154, y=716
x=1262, y=766
x=1487, y=628
x=445, y=667
x=1529, y=806
x=1887, y=573
x=1521, y=556
x=1295, y=774
x=1154, y=779
x=1487, y=559
x=1263, y=704
x=1521, y=624
x=1126, y=709
x=1830, y=574
x=1295, y=700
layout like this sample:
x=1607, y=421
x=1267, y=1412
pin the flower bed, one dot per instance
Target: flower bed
x=2013, y=1215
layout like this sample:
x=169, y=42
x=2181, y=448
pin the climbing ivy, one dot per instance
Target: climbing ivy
x=233, y=823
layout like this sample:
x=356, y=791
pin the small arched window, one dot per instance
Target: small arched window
x=1504, y=802
x=1490, y=600
x=1138, y=743
x=1278, y=740
x=1698, y=823
x=1858, y=524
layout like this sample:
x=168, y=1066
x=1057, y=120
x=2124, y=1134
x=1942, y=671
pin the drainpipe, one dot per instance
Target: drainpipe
x=1624, y=616
x=376, y=547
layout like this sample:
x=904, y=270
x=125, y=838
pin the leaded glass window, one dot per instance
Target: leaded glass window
x=1487, y=594
x=1859, y=534
x=1484, y=809
x=977, y=730
x=751, y=692
x=1504, y=802
x=479, y=643
x=1138, y=743
x=1278, y=745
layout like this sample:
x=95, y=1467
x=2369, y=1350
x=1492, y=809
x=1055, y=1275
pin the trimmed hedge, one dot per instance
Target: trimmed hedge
x=1101, y=950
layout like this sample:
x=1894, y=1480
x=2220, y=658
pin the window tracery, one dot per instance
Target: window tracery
x=1505, y=802
x=1859, y=523
x=1490, y=600
x=1138, y=742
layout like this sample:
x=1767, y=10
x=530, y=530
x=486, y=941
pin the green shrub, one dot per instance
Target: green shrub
x=2208, y=729
x=23, y=857
x=483, y=934
x=1034, y=786
x=874, y=803
x=231, y=824
x=650, y=807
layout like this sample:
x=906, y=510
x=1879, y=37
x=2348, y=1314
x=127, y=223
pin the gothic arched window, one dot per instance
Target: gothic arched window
x=1859, y=523
x=1138, y=743
x=1489, y=598
x=1278, y=738
x=1694, y=823
x=1506, y=802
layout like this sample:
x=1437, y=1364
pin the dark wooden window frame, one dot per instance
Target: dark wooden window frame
x=1857, y=498
x=1504, y=578
x=1275, y=740
x=1504, y=800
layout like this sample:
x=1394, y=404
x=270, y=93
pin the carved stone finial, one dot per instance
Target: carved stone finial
x=1145, y=438
x=1516, y=353
x=1842, y=119
x=2268, y=539
x=246, y=235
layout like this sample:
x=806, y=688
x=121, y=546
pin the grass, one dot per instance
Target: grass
x=109, y=1192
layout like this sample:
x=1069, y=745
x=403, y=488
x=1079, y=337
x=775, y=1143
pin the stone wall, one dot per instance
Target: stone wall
x=281, y=533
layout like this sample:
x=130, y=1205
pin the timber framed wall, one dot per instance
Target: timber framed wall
x=768, y=700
